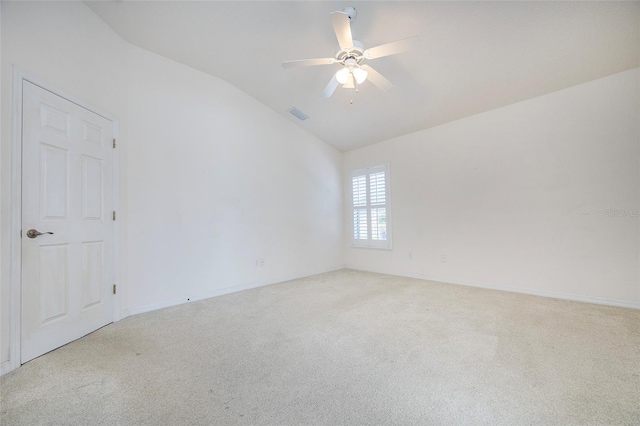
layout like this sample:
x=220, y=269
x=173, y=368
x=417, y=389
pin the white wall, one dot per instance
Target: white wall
x=516, y=197
x=217, y=180
x=210, y=178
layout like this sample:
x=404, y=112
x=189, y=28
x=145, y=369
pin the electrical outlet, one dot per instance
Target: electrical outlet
x=259, y=262
x=443, y=258
x=410, y=255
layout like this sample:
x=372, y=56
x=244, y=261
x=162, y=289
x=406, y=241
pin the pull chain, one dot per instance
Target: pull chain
x=355, y=83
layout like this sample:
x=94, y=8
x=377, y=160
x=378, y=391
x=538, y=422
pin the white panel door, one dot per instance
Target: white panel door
x=67, y=189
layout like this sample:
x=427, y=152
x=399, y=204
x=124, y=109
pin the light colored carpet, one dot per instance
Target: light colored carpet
x=345, y=347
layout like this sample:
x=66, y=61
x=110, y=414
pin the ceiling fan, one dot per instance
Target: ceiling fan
x=351, y=56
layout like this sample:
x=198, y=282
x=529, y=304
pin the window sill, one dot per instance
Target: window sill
x=371, y=247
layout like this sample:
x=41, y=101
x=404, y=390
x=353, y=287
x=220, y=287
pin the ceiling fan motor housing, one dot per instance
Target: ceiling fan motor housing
x=356, y=53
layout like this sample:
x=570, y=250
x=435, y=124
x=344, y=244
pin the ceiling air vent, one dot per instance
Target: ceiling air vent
x=298, y=114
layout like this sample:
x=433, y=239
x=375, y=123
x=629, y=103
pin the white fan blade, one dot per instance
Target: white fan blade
x=376, y=78
x=331, y=87
x=393, y=48
x=308, y=62
x=342, y=28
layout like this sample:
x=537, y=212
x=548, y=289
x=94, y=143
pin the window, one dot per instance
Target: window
x=370, y=201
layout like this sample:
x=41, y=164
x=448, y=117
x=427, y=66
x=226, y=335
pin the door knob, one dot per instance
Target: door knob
x=32, y=233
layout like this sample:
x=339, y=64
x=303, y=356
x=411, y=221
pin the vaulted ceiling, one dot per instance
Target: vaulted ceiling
x=469, y=57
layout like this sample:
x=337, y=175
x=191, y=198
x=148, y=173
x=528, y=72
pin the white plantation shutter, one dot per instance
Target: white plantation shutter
x=359, y=191
x=370, y=202
x=379, y=224
x=378, y=188
x=360, y=207
x=360, y=224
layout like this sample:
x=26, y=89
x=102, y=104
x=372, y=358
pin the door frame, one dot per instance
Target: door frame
x=15, y=241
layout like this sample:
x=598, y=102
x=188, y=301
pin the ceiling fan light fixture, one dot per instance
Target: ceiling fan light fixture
x=343, y=75
x=350, y=84
x=360, y=75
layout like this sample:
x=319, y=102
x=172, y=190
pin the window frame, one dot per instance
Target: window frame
x=370, y=243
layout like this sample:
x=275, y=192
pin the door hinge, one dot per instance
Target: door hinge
x=114, y=289
x=114, y=142
x=113, y=216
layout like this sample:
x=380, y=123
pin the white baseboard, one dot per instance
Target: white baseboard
x=543, y=293
x=214, y=293
x=5, y=367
